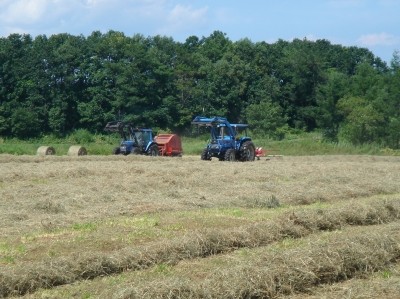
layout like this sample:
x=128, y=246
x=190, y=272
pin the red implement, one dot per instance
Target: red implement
x=169, y=144
x=260, y=152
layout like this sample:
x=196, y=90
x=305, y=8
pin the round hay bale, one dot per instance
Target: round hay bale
x=77, y=150
x=46, y=150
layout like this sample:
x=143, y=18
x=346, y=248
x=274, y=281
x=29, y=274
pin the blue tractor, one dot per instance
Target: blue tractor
x=227, y=141
x=134, y=140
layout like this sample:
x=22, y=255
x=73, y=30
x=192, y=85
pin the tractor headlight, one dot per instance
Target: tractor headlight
x=214, y=146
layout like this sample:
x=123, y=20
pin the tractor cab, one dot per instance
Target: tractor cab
x=240, y=130
x=222, y=132
x=138, y=142
x=142, y=137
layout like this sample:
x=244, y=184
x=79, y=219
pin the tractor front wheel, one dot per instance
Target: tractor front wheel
x=116, y=151
x=136, y=151
x=230, y=155
x=153, y=150
x=247, y=151
x=205, y=155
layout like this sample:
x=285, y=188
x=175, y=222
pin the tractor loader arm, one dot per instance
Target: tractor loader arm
x=114, y=126
x=209, y=121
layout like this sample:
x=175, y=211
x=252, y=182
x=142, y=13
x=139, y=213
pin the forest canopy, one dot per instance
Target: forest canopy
x=62, y=83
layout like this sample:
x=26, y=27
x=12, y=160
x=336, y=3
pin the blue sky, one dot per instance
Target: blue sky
x=374, y=24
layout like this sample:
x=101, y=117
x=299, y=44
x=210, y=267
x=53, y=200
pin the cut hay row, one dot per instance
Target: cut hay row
x=18, y=280
x=382, y=284
x=91, y=188
x=356, y=253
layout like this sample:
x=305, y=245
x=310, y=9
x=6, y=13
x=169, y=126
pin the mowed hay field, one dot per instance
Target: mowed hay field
x=159, y=227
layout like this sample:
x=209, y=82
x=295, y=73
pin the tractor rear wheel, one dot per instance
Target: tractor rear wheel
x=247, y=151
x=205, y=155
x=230, y=155
x=153, y=150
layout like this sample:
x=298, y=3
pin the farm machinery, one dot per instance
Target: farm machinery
x=141, y=141
x=228, y=141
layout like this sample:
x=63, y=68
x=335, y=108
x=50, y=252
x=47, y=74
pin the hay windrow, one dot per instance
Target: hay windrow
x=20, y=280
x=383, y=284
x=132, y=182
x=44, y=197
x=273, y=273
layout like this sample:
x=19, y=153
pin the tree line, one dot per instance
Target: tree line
x=61, y=83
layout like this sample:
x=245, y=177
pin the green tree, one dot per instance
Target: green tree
x=71, y=82
x=215, y=46
x=393, y=104
x=266, y=119
x=327, y=97
x=189, y=74
x=300, y=71
x=362, y=122
x=25, y=123
x=66, y=79
x=19, y=92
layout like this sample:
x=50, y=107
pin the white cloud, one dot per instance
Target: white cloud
x=166, y=17
x=13, y=29
x=181, y=18
x=379, y=39
x=23, y=11
x=182, y=14
x=41, y=16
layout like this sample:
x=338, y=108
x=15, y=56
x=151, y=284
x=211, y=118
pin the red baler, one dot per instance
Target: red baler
x=169, y=144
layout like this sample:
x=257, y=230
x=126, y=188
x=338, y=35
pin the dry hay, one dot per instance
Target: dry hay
x=93, y=187
x=383, y=284
x=357, y=253
x=57, y=191
x=46, y=150
x=21, y=279
x=77, y=150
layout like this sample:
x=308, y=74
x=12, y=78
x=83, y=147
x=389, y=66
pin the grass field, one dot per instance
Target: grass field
x=158, y=227
x=301, y=144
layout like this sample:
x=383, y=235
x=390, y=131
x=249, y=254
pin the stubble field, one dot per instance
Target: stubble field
x=158, y=227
